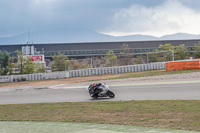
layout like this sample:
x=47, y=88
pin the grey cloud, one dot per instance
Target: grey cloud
x=19, y=15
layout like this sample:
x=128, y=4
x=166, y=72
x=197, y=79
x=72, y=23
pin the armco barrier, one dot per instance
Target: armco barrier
x=183, y=65
x=83, y=72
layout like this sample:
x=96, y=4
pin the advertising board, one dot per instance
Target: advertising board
x=37, y=58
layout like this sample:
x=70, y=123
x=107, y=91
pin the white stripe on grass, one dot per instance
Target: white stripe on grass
x=62, y=127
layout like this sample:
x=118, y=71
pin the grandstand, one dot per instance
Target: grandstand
x=86, y=49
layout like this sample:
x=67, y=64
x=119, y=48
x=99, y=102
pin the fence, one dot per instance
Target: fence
x=83, y=72
x=183, y=65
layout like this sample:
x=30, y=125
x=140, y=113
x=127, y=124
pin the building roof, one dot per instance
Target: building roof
x=98, y=45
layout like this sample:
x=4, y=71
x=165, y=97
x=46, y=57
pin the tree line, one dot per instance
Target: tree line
x=18, y=65
x=166, y=52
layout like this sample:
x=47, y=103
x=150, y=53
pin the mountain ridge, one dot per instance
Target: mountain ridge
x=75, y=36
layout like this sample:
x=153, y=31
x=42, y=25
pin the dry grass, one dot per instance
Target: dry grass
x=177, y=114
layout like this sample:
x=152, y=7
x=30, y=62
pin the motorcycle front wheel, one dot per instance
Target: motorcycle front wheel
x=110, y=94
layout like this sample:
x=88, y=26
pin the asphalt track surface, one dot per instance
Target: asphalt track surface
x=143, y=90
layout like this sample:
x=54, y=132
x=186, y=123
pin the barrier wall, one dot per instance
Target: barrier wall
x=83, y=72
x=4, y=79
x=183, y=65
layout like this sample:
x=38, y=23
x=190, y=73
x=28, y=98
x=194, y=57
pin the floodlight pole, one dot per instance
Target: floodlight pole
x=116, y=61
x=66, y=65
x=91, y=63
x=147, y=57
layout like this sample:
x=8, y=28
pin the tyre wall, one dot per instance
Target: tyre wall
x=83, y=72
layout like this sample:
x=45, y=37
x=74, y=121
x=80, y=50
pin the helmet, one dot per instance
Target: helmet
x=94, y=84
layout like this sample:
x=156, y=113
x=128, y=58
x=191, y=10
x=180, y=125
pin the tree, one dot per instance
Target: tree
x=60, y=62
x=39, y=68
x=126, y=53
x=111, y=59
x=155, y=56
x=25, y=63
x=167, y=50
x=197, y=50
x=28, y=66
x=95, y=62
x=77, y=64
x=12, y=68
x=20, y=60
x=139, y=60
x=181, y=52
x=4, y=62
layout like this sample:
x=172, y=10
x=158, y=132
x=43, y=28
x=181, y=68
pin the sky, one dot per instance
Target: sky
x=109, y=17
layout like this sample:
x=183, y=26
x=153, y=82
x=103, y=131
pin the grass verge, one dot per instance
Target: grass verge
x=97, y=77
x=171, y=114
x=153, y=73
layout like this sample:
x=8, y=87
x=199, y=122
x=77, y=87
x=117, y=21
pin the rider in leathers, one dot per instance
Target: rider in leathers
x=94, y=90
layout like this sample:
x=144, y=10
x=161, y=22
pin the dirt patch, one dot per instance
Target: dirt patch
x=60, y=81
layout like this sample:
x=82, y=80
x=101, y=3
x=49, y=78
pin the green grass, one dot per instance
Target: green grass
x=171, y=114
x=146, y=74
x=153, y=73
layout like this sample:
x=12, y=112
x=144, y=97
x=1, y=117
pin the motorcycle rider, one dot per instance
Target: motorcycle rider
x=93, y=89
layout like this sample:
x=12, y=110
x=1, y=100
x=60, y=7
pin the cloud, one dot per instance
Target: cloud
x=168, y=18
x=19, y=15
x=113, y=17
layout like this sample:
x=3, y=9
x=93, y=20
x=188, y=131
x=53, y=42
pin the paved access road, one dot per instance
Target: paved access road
x=142, y=90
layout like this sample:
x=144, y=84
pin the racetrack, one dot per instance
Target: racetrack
x=124, y=90
x=168, y=87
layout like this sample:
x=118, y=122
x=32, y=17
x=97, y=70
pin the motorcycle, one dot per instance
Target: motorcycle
x=101, y=91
